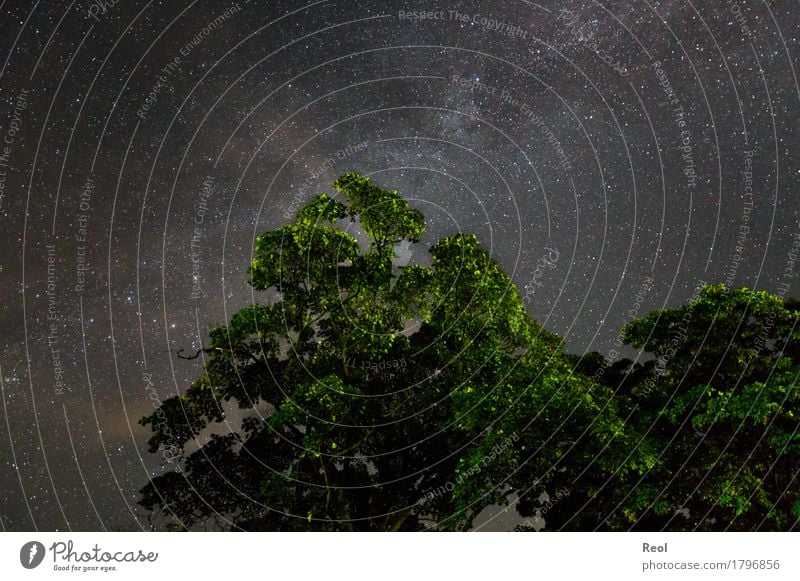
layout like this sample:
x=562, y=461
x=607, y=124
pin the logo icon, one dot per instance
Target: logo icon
x=31, y=554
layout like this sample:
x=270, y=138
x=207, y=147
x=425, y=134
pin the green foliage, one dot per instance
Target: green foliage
x=377, y=397
x=719, y=404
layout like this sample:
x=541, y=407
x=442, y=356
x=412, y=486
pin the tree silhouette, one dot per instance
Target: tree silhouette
x=720, y=405
x=380, y=396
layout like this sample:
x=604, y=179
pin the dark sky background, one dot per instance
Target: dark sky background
x=564, y=139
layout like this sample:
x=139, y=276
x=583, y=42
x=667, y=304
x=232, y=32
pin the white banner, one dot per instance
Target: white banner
x=377, y=556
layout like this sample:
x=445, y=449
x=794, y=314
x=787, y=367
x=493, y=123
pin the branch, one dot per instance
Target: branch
x=195, y=356
x=199, y=351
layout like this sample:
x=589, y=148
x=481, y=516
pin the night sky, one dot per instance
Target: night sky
x=644, y=147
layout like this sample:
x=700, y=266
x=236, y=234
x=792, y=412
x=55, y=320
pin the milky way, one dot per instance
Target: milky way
x=641, y=148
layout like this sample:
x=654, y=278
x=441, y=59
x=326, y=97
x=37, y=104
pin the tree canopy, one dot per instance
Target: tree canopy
x=379, y=396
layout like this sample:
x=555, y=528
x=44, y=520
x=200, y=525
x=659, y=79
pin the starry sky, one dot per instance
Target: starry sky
x=612, y=155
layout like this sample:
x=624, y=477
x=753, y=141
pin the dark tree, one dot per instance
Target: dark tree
x=378, y=396
x=384, y=397
x=719, y=406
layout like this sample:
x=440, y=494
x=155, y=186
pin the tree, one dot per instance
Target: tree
x=718, y=402
x=379, y=396
x=383, y=397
